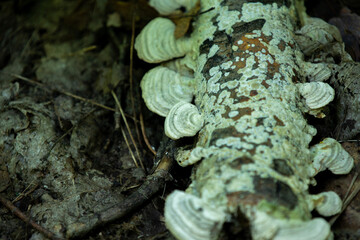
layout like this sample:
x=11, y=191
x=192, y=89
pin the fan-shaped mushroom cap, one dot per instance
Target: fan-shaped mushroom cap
x=183, y=120
x=316, y=94
x=169, y=6
x=188, y=217
x=317, y=72
x=162, y=88
x=330, y=154
x=157, y=43
x=316, y=228
x=315, y=34
x=327, y=203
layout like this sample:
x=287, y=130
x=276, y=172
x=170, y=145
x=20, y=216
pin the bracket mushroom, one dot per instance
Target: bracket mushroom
x=316, y=228
x=329, y=154
x=317, y=72
x=326, y=203
x=162, y=88
x=188, y=217
x=316, y=94
x=157, y=43
x=316, y=34
x=183, y=120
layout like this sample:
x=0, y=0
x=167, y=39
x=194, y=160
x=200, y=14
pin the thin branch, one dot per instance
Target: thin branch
x=29, y=189
x=127, y=127
x=128, y=145
x=144, y=135
x=44, y=87
x=134, y=11
x=27, y=219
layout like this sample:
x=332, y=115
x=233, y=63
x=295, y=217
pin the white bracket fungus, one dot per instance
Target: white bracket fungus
x=316, y=34
x=329, y=154
x=183, y=120
x=188, y=217
x=327, y=203
x=317, y=72
x=316, y=94
x=157, y=43
x=316, y=228
x=162, y=88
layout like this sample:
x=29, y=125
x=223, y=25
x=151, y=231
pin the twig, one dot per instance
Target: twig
x=62, y=92
x=144, y=134
x=128, y=145
x=350, y=140
x=26, y=219
x=134, y=11
x=127, y=127
x=29, y=189
x=46, y=88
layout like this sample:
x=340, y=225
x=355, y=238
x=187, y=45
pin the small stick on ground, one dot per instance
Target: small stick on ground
x=27, y=219
x=128, y=128
x=29, y=189
x=131, y=67
x=144, y=134
x=128, y=145
x=48, y=89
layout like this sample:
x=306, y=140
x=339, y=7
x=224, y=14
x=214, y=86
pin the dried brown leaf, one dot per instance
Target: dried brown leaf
x=183, y=20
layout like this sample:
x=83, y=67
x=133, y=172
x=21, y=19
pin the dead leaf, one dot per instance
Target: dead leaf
x=183, y=20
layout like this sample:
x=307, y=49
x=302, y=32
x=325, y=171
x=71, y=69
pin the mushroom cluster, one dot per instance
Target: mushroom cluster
x=166, y=91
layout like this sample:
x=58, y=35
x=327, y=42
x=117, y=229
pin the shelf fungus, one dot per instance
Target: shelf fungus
x=316, y=34
x=162, y=88
x=316, y=94
x=317, y=228
x=190, y=217
x=157, y=43
x=317, y=72
x=326, y=203
x=329, y=154
x=183, y=120
x=243, y=65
